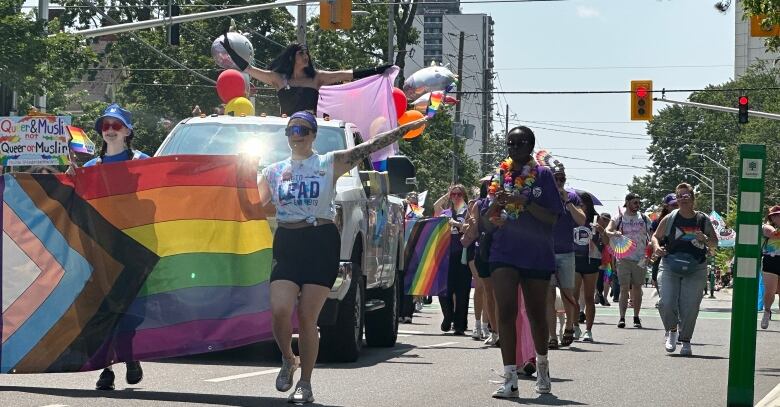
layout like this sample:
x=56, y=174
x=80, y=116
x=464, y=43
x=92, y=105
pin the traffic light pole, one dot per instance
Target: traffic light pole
x=461, y=38
x=754, y=113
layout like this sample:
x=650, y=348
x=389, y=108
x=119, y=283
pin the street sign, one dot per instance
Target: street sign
x=747, y=259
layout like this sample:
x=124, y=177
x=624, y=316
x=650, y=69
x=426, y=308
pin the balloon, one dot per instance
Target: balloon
x=240, y=106
x=421, y=104
x=230, y=85
x=239, y=43
x=428, y=79
x=408, y=117
x=399, y=99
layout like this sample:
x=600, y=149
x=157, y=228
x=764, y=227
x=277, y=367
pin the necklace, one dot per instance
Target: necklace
x=514, y=185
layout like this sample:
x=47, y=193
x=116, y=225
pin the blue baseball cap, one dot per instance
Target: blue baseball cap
x=116, y=112
x=307, y=117
x=670, y=199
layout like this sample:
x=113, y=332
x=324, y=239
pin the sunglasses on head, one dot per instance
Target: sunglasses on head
x=298, y=130
x=112, y=125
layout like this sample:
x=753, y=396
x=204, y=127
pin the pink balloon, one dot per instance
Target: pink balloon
x=230, y=85
x=399, y=99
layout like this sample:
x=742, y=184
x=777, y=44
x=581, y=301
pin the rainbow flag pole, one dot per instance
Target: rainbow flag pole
x=428, y=257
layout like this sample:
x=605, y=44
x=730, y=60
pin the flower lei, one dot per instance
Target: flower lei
x=515, y=186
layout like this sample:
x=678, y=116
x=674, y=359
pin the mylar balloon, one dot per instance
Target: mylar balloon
x=240, y=44
x=408, y=117
x=230, y=85
x=428, y=79
x=399, y=99
x=240, y=106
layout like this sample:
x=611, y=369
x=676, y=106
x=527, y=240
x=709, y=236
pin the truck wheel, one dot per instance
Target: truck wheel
x=382, y=324
x=343, y=341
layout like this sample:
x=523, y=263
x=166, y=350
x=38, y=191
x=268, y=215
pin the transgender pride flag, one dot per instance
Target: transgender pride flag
x=130, y=261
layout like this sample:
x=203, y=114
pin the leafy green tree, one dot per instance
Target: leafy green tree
x=768, y=8
x=31, y=61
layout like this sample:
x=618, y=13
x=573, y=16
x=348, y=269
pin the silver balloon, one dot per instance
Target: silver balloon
x=240, y=44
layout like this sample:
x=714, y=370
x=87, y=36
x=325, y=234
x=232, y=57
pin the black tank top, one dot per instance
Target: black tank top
x=683, y=237
x=297, y=98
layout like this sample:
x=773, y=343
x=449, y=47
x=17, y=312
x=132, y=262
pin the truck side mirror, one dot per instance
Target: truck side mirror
x=402, y=175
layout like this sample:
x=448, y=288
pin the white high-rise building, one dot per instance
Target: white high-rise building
x=749, y=49
x=440, y=26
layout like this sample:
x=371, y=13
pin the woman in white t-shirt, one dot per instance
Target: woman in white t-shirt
x=307, y=244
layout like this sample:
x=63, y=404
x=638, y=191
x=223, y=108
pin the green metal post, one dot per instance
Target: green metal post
x=742, y=351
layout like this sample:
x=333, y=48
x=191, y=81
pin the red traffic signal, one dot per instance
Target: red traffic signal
x=641, y=91
x=742, y=115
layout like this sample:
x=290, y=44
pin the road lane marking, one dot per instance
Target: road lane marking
x=243, y=375
x=438, y=345
x=403, y=335
x=401, y=331
x=771, y=398
x=55, y=405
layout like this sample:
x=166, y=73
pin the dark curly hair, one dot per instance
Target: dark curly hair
x=284, y=64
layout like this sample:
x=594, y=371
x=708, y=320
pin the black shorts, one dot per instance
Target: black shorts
x=483, y=267
x=586, y=265
x=307, y=256
x=771, y=264
x=533, y=274
x=471, y=252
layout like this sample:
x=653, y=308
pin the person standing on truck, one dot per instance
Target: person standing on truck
x=296, y=81
x=455, y=301
x=307, y=244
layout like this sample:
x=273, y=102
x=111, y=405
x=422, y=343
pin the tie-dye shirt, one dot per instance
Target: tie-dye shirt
x=772, y=246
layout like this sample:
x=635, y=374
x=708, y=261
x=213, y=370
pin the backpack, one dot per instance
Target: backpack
x=647, y=221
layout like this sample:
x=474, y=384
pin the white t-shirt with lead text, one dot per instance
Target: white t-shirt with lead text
x=302, y=189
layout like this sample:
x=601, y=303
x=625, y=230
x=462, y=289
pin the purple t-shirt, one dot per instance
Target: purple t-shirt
x=527, y=242
x=564, y=228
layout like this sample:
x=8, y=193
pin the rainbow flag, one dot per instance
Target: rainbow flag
x=132, y=261
x=79, y=142
x=427, y=257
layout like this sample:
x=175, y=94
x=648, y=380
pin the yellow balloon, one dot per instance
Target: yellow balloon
x=240, y=106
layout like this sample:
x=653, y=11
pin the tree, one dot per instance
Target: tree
x=404, y=33
x=770, y=9
x=31, y=61
x=679, y=131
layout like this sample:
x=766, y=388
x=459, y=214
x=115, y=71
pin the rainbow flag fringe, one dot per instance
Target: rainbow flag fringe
x=144, y=266
x=427, y=257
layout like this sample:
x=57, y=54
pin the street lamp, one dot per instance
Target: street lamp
x=711, y=181
x=728, y=179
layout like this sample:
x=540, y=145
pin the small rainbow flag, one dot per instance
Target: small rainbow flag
x=79, y=142
x=427, y=257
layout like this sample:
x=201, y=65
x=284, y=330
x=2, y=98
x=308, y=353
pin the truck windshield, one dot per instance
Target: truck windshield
x=264, y=140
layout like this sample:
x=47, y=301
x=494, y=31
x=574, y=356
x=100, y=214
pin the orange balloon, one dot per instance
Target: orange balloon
x=408, y=117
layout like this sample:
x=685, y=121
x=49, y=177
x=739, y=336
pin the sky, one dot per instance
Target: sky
x=602, y=45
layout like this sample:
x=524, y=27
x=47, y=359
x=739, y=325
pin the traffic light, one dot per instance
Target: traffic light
x=173, y=29
x=641, y=100
x=743, y=109
x=335, y=14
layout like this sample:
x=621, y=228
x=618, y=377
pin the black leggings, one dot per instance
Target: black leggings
x=456, y=310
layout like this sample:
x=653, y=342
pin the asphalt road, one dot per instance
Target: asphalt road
x=624, y=367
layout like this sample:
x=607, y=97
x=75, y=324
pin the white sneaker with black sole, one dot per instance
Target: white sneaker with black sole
x=508, y=389
x=302, y=394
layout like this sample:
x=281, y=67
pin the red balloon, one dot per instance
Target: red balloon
x=399, y=99
x=230, y=85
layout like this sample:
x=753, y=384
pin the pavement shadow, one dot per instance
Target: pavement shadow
x=373, y=356
x=547, y=400
x=709, y=357
x=256, y=354
x=131, y=394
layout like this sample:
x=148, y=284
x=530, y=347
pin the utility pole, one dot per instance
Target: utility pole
x=302, y=24
x=390, y=31
x=457, y=109
x=43, y=15
x=506, y=120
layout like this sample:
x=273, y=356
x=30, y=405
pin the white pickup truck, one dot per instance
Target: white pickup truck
x=370, y=217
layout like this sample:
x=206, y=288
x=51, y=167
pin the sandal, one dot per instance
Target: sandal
x=568, y=337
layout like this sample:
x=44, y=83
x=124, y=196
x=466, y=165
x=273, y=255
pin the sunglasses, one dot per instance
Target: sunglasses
x=456, y=194
x=298, y=130
x=684, y=196
x=518, y=143
x=112, y=125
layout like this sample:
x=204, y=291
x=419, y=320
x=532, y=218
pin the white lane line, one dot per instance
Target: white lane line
x=55, y=405
x=243, y=375
x=771, y=399
x=438, y=345
x=401, y=331
x=403, y=335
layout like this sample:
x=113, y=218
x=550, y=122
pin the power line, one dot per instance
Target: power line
x=549, y=68
x=597, y=182
x=601, y=162
x=607, y=92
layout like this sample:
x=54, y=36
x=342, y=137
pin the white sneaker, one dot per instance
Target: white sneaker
x=543, y=385
x=765, y=319
x=492, y=339
x=284, y=379
x=508, y=389
x=301, y=395
x=476, y=333
x=587, y=336
x=671, y=341
x=577, y=332
x=485, y=332
x=685, y=349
